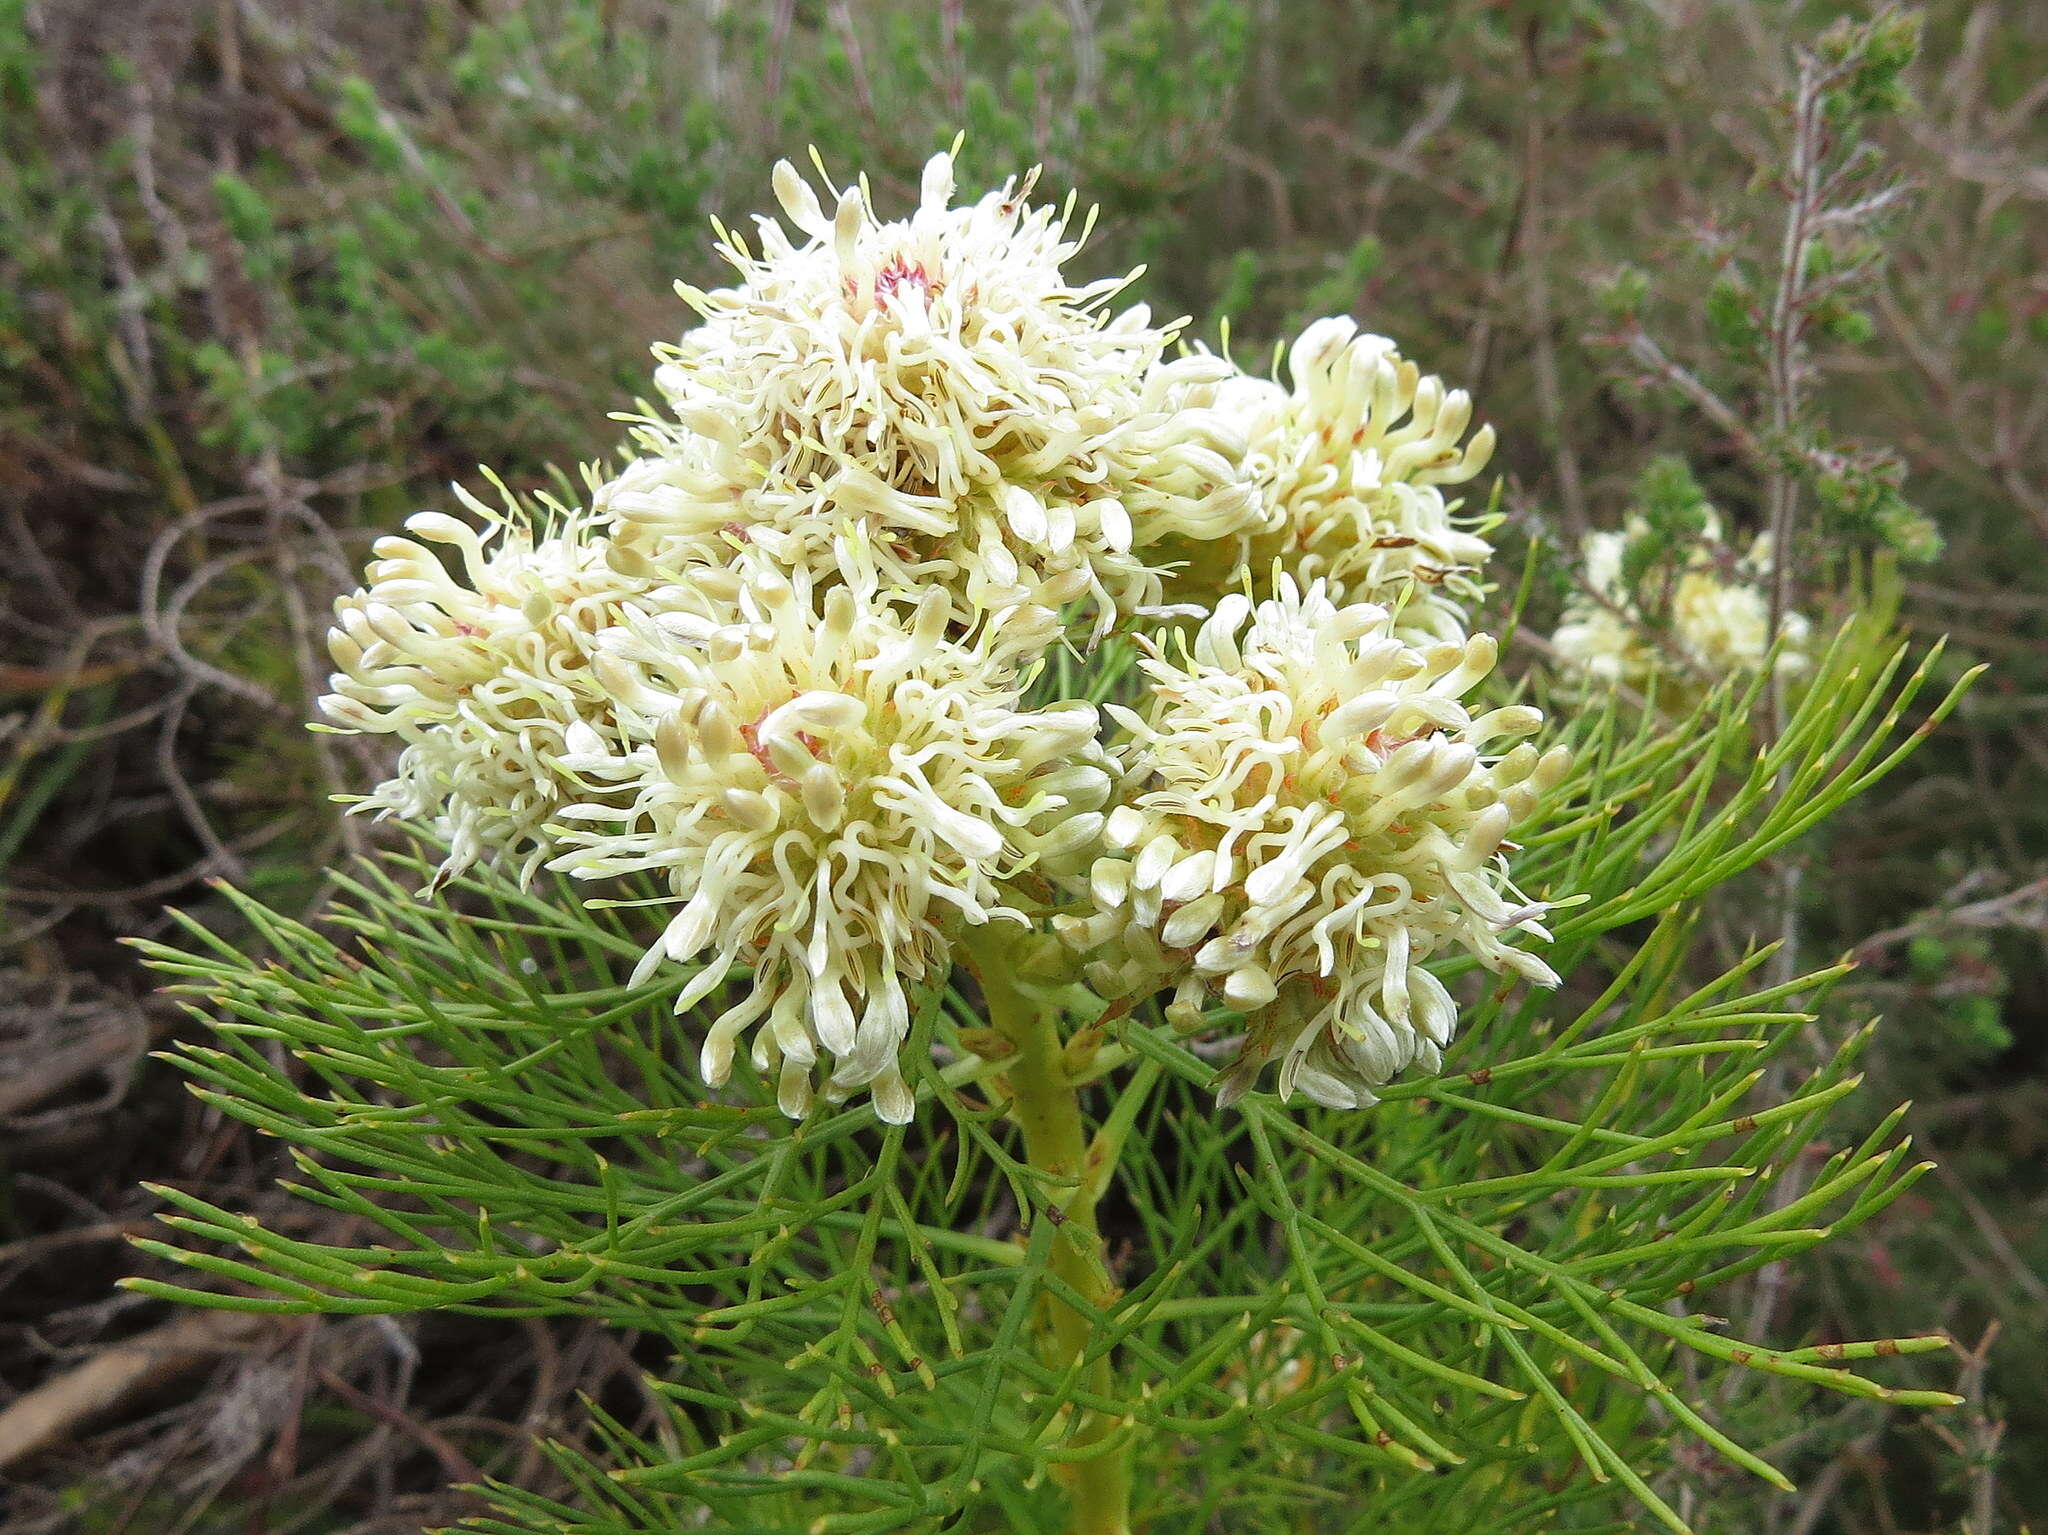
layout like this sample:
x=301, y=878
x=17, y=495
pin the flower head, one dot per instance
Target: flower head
x=1685, y=619
x=780, y=664
x=932, y=402
x=482, y=673
x=828, y=790
x=1350, y=464
x=1310, y=813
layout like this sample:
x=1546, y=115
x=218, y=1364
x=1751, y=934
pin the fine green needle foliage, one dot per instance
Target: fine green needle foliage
x=1484, y=1303
x=926, y=1116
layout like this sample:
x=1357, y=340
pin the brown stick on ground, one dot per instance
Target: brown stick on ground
x=58, y=1069
x=57, y=1407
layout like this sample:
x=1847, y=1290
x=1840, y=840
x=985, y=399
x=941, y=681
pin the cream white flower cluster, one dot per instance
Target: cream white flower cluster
x=1350, y=465
x=831, y=788
x=1311, y=812
x=931, y=403
x=1688, y=622
x=482, y=675
x=786, y=664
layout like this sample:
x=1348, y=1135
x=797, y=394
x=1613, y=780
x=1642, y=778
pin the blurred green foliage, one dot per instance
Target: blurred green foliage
x=271, y=275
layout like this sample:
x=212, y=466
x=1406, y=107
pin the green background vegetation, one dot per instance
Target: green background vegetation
x=272, y=275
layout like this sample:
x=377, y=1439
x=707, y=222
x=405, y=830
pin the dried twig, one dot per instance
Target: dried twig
x=2023, y=906
x=58, y=1408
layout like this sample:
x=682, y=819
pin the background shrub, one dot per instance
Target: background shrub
x=272, y=275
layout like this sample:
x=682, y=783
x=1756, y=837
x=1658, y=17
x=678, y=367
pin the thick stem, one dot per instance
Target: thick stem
x=1047, y=1108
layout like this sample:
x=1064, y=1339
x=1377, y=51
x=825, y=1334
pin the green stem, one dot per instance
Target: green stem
x=1047, y=1107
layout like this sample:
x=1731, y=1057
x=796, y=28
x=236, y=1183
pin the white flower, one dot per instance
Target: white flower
x=1691, y=620
x=1349, y=465
x=828, y=791
x=483, y=675
x=1311, y=813
x=779, y=665
x=1603, y=645
x=931, y=402
x=1603, y=553
x=1721, y=626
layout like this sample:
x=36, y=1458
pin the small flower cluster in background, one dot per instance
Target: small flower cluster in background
x=1669, y=604
x=788, y=660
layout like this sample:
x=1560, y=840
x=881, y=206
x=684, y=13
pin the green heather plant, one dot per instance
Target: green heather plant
x=982, y=890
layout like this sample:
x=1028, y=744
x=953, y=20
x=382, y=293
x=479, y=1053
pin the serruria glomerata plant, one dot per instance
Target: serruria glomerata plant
x=988, y=888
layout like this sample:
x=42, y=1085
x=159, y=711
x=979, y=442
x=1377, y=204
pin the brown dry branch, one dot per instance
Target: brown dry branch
x=59, y=1408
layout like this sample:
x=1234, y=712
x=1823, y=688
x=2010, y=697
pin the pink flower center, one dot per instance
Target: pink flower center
x=900, y=274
